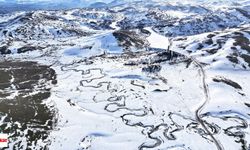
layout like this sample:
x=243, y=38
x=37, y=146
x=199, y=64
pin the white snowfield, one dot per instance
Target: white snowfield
x=138, y=88
x=156, y=40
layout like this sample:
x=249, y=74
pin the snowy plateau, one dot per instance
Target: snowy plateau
x=127, y=75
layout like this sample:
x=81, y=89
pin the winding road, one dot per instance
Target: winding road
x=206, y=94
x=200, y=108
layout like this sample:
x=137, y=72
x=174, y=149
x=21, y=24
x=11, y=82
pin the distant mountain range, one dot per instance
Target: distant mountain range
x=25, y=5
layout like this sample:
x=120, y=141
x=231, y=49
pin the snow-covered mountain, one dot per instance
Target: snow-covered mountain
x=128, y=75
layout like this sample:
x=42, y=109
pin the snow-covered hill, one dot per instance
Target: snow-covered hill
x=127, y=75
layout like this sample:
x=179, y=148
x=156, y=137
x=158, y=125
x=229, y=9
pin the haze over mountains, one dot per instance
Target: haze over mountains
x=15, y=5
x=28, y=5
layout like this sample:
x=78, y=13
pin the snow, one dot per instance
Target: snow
x=95, y=122
x=94, y=113
x=156, y=40
x=104, y=104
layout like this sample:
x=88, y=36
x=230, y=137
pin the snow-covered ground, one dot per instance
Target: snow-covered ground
x=121, y=85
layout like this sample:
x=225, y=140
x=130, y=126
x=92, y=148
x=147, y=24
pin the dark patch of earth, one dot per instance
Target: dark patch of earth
x=25, y=117
x=228, y=82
